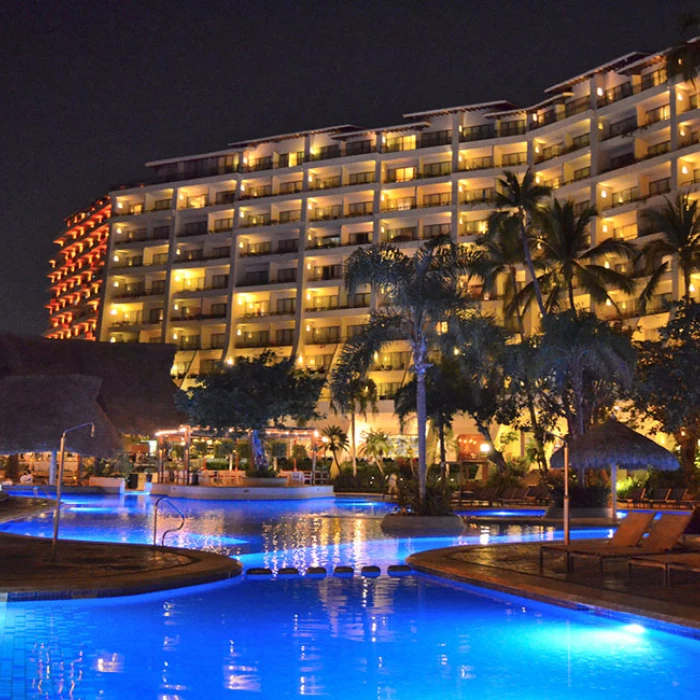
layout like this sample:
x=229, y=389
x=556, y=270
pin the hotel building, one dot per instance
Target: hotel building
x=230, y=252
x=77, y=273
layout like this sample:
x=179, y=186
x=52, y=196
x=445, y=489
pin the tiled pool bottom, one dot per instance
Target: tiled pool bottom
x=330, y=532
x=384, y=639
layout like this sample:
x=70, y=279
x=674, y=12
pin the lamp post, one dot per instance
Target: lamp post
x=567, y=522
x=59, y=483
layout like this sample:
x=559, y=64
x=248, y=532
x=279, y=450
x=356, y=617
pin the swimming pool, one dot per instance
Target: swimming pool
x=391, y=639
x=385, y=639
x=328, y=532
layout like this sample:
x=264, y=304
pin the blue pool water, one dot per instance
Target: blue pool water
x=384, y=639
x=328, y=532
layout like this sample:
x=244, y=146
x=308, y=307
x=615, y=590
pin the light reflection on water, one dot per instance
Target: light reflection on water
x=328, y=532
x=385, y=639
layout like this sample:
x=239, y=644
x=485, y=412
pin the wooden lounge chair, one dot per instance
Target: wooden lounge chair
x=678, y=498
x=629, y=532
x=635, y=497
x=657, y=497
x=685, y=561
x=663, y=535
x=517, y=495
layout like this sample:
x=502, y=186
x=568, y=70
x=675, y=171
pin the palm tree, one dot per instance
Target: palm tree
x=336, y=441
x=422, y=294
x=376, y=446
x=571, y=263
x=353, y=394
x=584, y=359
x=683, y=59
x=498, y=256
x=520, y=200
x=678, y=222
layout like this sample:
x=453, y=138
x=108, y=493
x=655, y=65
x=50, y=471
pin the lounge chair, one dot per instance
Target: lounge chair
x=682, y=561
x=634, y=498
x=488, y=495
x=663, y=535
x=537, y=495
x=678, y=498
x=517, y=495
x=657, y=497
x=629, y=532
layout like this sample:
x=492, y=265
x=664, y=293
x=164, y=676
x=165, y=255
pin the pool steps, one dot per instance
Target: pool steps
x=394, y=571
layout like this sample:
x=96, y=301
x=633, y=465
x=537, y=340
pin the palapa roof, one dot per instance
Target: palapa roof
x=614, y=443
x=136, y=391
x=35, y=410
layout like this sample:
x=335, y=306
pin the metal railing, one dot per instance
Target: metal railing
x=183, y=519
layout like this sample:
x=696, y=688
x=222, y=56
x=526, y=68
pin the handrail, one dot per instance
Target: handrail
x=155, y=520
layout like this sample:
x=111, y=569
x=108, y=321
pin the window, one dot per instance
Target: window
x=284, y=336
x=286, y=306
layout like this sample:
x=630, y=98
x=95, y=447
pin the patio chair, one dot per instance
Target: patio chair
x=488, y=495
x=507, y=495
x=629, y=532
x=517, y=496
x=681, y=561
x=657, y=497
x=678, y=498
x=663, y=535
x=635, y=497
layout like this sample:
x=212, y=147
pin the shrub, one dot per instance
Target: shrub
x=368, y=479
x=438, y=497
x=268, y=473
x=595, y=496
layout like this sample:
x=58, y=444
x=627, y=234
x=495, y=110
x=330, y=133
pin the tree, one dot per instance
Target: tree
x=678, y=223
x=520, y=200
x=252, y=395
x=336, y=442
x=570, y=262
x=443, y=393
x=585, y=363
x=668, y=382
x=376, y=447
x=683, y=59
x=353, y=393
x=421, y=294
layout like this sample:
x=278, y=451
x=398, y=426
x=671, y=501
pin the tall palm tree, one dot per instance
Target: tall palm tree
x=422, y=294
x=678, y=222
x=520, y=200
x=497, y=257
x=353, y=394
x=336, y=441
x=570, y=262
x=683, y=59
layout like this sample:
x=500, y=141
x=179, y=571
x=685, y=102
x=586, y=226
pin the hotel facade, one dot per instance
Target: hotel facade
x=232, y=252
x=76, y=274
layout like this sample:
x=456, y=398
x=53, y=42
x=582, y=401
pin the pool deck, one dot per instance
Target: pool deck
x=95, y=569
x=515, y=569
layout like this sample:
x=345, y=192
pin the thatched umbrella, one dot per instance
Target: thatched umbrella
x=36, y=410
x=136, y=391
x=612, y=445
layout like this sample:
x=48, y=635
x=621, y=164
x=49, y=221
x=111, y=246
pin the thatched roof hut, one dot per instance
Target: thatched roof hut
x=136, y=391
x=34, y=412
x=613, y=443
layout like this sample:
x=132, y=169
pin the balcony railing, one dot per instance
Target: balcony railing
x=443, y=199
x=618, y=199
x=399, y=204
x=486, y=195
x=624, y=126
x=480, y=132
x=513, y=128
x=435, y=138
x=356, y=148
x=401, y=235
x=482, y=163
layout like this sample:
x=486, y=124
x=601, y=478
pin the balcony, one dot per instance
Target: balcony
x=435, y=138
x=473, y=228
x=436, y=169
x=324, y=336
x=359, y=209
x=258, y=165
x=513, y=128
x=442, y=199
x=483, y=163
x=402, y=234
x=620, y=92
x=225, y=197
x=291, y=187
x=486, y=195
x=620, y=128
x=131, y=291
x=577, y=106
x=327, y=213
x=509, y=160
x=327, y=183
x=194, y=228
x=325, y=152
x=327, y=272
x=477, y=133
x=356, y=148
x=437, y=230
x=182, y=318
x=659, y=114
x=661, y=186
x=364, y=178
x=256, y=192
x=618, y=199
x=399, y=204
x=195, y=202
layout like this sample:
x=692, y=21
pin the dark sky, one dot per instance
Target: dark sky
x=89, y=91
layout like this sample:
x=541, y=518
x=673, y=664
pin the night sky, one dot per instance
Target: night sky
x=90, y=91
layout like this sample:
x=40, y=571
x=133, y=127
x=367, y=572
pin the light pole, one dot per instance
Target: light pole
x=59, y=483
x=567, y=528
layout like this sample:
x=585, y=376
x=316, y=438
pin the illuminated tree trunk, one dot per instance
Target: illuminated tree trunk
x=258, y=452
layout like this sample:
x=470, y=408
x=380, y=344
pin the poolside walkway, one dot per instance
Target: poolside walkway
x=515, y=569
x=95, y=569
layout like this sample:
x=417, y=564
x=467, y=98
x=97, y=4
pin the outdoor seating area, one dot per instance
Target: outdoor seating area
x=640, y=534
x=512, y=496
